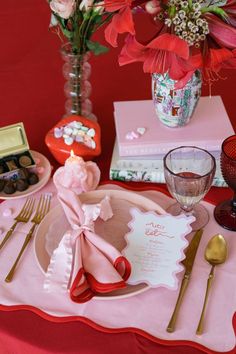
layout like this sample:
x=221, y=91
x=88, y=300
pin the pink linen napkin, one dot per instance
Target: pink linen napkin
x=84, y=263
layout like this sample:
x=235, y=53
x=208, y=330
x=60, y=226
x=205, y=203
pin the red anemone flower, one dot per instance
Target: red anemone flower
x=121, y=22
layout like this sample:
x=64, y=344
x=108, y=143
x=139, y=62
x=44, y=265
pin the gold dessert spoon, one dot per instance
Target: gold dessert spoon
x=215, y=253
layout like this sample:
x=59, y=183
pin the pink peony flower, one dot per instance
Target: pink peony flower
x=77, y=175
x=63, y=8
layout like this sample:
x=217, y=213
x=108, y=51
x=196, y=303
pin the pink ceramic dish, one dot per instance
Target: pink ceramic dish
x=55, y=224
x=44, y=173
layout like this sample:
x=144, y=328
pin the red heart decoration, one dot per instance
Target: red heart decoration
x=61, y=151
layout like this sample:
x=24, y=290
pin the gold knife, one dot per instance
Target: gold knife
x=188, y=264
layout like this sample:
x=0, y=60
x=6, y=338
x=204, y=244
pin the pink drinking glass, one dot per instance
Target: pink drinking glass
x=225, y=212
x=189, y=172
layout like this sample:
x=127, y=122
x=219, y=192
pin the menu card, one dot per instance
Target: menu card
x=155, y=247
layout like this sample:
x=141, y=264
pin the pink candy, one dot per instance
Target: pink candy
x=135, y=134
x=7, y=212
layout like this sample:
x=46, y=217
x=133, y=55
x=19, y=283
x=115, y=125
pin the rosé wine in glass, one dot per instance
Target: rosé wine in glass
x=189, y=172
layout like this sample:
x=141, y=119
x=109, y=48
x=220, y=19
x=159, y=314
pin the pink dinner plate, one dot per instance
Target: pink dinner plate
x=41, y=162
x=55, y=224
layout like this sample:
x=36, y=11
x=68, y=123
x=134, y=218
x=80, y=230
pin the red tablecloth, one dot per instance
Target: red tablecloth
x=31, y=91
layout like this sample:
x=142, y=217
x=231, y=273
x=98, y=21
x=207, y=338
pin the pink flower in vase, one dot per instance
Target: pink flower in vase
x=63, y=8
x=85, y=5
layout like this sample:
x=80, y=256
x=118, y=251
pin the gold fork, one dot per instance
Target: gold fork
x=23, y=216
x=42, y=209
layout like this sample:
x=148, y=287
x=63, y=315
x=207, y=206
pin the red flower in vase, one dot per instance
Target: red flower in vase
x=189, y=35
x=223, y=33
x=219, y=48
x=220, y=58
x=165, y=53
x=121, y=22
x=230, y=9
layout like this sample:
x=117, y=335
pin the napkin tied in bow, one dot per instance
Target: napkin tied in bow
x=84, y=262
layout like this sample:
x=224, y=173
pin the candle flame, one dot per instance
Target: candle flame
x=72, y=154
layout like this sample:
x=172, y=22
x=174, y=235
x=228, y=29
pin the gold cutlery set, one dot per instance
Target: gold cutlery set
x=24, y=216
x=215, y=253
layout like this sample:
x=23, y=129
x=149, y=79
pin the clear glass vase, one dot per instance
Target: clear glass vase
x=76, y=71
x=174, y=107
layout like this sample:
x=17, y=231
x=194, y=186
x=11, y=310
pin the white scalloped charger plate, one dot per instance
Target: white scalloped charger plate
x=55, y=224
x=43, y=178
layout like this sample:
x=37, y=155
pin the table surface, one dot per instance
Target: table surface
x=31, y=91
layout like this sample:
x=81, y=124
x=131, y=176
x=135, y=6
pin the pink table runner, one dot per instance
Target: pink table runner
x=149, y=312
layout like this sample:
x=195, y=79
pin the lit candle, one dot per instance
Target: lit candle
x=73, y=159
x=77, y=175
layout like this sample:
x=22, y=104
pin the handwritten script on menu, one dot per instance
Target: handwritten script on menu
x=155, y=246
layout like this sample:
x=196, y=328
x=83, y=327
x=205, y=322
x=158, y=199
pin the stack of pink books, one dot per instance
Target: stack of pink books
x=139, y=157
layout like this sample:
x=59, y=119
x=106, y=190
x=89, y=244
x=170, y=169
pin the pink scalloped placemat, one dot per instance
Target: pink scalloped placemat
x=147, y=313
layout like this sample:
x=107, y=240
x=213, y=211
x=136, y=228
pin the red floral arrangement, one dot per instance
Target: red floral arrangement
x=189, y=35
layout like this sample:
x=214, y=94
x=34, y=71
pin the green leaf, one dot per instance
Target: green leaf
x=216, y=10
x=97, y=19
x=96, y=47
x=88, y=14
x=67, y=33
x=62, y=23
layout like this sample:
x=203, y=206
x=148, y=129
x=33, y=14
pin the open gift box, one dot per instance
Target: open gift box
x=14, y=151
x=17, y=164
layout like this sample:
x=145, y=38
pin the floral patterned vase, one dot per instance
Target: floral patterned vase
x=174, y=107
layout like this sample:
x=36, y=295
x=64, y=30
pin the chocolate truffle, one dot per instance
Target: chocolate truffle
x=2, y=184
x=23, y=173
x=33, y=178
x=9, y=187
x=25, y=161
x=21, y=185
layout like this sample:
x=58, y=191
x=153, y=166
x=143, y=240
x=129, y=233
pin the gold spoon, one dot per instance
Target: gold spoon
x=215, y=253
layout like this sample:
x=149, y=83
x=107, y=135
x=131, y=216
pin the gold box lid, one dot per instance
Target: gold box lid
x=13, y=140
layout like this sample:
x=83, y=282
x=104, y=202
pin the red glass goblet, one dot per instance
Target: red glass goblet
x=225, y=212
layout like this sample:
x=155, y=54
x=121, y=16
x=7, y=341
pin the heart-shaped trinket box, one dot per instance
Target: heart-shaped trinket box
x=76, y=133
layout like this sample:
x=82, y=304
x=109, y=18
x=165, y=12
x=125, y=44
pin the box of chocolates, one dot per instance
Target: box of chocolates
x=16, y=160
